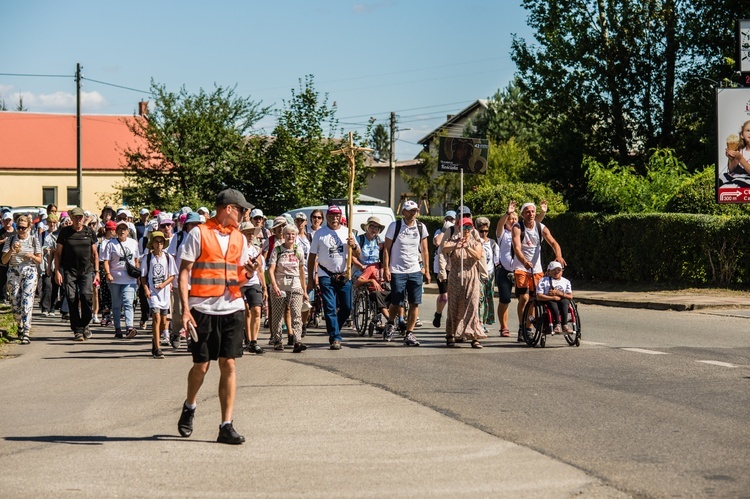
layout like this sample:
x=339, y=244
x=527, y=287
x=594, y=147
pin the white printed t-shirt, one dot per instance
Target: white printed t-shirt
x=547, y=283
x=531, y=247
x=113, y=252
x=214, y=305
x=406, y=250
x=330, y=247
x=159, y=270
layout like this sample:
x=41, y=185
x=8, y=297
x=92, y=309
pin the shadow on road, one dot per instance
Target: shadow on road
x=97, y=439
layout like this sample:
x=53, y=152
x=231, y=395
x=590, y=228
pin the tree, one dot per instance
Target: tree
x=20, y=107
x=296, y=165
x=380, y=142
x=191, y=147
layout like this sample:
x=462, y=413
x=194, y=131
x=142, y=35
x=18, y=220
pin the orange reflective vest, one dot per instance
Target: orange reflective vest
x=213, y=272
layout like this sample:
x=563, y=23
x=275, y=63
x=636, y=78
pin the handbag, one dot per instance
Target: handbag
x=130, y=269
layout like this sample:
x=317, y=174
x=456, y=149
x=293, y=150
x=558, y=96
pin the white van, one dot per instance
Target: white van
x=360, y=214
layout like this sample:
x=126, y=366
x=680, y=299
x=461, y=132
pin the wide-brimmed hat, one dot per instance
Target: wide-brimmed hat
x=249, y=227
x=165, y=219
x=279, y=222
x=373, y=220
x=193, y=217
x=154, y=235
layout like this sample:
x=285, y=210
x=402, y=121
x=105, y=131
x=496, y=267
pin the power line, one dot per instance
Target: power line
x=409, y=109
x=117, y=86
x=37, y=75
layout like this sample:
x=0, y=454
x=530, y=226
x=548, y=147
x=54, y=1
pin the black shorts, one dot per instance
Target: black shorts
x=253, y=295
x=504, y=285
x=218, y=336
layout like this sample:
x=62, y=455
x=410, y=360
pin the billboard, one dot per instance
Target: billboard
x=733, y=145
x=461, y=153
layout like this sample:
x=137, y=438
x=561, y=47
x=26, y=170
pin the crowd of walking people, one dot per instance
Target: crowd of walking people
x=205, y=278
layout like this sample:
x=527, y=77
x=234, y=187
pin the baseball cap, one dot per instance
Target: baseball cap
x=450, y=214
x=7, y=216
x=143, y=211
x=155, y=213
x=123, y=222
x=257, y=212
x=464, y=210
x=204, y=209
x=554, y=264
x=165, y=219
x=527, y=205
x=231, y=196
x=154, y=235
x=410, y=206
x=300, y=216
x=111, y=225
x=76, y=212
x=334, y=209
x=467, y=221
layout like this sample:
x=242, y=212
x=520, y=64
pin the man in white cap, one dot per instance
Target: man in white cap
x=528, y=235
x=140, y=225
x=258, y=220
x=213, y=267
x=405, y=260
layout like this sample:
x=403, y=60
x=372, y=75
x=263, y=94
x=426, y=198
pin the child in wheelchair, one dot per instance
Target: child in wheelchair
x=555, y=292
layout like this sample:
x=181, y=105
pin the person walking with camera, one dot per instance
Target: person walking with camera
x=327, y=267
x=121, y=269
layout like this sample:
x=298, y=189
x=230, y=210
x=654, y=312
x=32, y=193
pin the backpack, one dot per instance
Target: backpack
x=420, y=227
x=148, y=262
x=361, y=241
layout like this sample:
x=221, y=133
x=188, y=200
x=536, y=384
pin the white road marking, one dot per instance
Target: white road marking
x=716, y=363
x=584, y=342
x=642, y=350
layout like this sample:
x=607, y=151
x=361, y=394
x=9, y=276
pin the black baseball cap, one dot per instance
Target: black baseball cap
x=231, y=196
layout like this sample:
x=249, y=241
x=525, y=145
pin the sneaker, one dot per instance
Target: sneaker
x=45, y=313
x=279, y=347
x=142, y=325
x=185, y=424
x=165, y=338
x=290, y=341
x=78, y=337
x=227, y=435
x=253, y=347
x=25, y=340
x=388, y=332
x=299, y=347
x=87, y=333
x=520, y=337
x=95, y=320
x=131, y=333
x=567, y=329
x=410, y=340
x=65, y=317
x=304, y=330
x=270, y=340
x=418, y=323
x=557, y=329
x=118, y=333
x=335, y=345
x=53, y=313
x=157, y=353
x=436, y=320
x=175, y=340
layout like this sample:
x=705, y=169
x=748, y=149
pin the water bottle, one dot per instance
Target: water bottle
x=283, y=294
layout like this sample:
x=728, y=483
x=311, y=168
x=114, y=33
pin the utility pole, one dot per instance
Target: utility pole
x=79, y=170
x=392, y=194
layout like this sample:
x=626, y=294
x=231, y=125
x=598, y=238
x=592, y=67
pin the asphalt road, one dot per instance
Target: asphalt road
x=654, y=403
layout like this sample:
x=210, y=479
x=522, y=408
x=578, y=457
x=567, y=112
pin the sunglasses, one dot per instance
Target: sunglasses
x=22, y=228
x=467, y=227
x=484, y=232
x=317, y=217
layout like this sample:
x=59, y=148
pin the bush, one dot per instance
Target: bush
x=698, y=195
x=495, y=198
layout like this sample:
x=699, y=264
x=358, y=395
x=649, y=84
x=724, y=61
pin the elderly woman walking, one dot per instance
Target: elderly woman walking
x=122, y=286
x=22, y=253
x=286, y=271
x=464, y=252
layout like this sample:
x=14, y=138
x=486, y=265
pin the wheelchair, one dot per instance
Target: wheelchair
x=367, y=319
x=539, y=316
x=316, y=310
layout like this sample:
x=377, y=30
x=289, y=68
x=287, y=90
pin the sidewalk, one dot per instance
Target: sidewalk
x=656, y=300
x=98, y=418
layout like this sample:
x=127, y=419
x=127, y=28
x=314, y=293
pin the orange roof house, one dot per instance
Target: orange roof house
x=38, y=158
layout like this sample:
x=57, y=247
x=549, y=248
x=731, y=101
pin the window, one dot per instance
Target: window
x=49, y=195
x=73, y=197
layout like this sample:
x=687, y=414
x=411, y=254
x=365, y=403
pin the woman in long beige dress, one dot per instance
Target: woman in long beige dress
x=464, y=287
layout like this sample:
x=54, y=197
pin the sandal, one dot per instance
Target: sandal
x=505, y=333
x=476, y=344
x=450, y=342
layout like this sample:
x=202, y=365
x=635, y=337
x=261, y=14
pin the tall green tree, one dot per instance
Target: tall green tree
x=297, y=165
x=191, y=146
x=380, y=142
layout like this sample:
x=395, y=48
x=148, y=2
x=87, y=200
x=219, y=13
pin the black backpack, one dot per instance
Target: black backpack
x=420, y=227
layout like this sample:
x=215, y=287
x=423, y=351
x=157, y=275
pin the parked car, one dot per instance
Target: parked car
x=360, y=214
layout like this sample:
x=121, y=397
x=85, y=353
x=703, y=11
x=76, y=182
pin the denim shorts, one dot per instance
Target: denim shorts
x=406, y=285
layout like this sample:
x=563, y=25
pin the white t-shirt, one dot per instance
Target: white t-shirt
x=436, y=260
x=159, y=270
x=176, y=252
x=253, y=252
x=561, y=284
x=506, y=252
x=113, y=253
x=531, y=247
x=491, y=253
x=330, y=247
x=406, y=250
x=214, y=305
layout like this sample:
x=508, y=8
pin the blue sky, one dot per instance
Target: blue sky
x=423, y=59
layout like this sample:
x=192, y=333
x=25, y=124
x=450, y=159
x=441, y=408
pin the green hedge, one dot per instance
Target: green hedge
x=670, y=248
